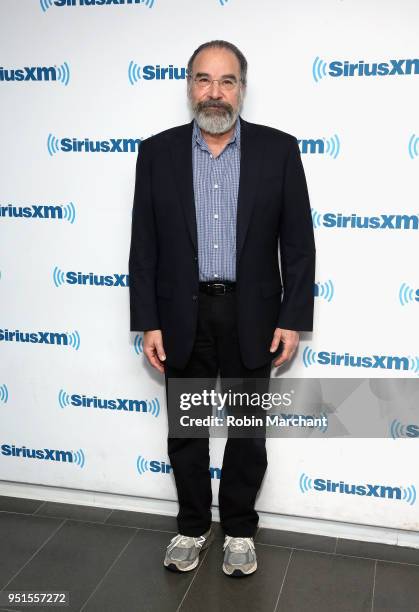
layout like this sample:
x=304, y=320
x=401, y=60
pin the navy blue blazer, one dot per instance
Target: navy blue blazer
x=275, y=250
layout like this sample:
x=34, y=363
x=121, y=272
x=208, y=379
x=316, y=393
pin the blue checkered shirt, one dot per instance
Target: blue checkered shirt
x=216, y=187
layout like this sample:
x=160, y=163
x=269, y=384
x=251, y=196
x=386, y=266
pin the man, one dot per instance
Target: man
x=212, y=200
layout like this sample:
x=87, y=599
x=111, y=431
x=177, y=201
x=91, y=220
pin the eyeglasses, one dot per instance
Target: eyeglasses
x=203, y=82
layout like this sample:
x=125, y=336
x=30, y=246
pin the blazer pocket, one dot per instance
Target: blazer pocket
x=269, y=288
x=164, y=289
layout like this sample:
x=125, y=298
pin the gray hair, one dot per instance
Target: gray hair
x=222, y=44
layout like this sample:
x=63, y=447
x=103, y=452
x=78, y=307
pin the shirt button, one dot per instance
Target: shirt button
x=215, y=186
x=194, y=297
x=215, y=216
x=215, y=246
x=215, y=275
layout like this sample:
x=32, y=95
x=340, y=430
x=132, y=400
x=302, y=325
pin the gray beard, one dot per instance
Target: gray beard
x=216, y=122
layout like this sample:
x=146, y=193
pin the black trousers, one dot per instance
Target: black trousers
x=216, y=351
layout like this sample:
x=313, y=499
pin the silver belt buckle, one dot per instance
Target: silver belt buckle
x=220, y=285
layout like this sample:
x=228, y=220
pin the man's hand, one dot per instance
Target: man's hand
x=290, y=340
x=153, y=348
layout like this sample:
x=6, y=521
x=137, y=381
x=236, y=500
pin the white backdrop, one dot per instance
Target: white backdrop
x=360, y=149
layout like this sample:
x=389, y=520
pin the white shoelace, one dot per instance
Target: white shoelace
x=238, y=544
x=181, y=540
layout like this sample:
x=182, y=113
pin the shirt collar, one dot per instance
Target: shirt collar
x=199, y=140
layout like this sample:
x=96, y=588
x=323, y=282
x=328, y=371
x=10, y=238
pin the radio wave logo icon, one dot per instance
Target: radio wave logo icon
x=324, y=290
x=414, y=364
x=134, y=72
x=333, y=146
x=397, y=429
x=317, y=218
x=223, y=2
x=78, y=458
x=4, y=394
x=306, y=483
x=138, y=344
x=409, y=494
x=413, y=146
x=69, y=212
x=319, y=69
x=74, y=340
x=309, y=357
x=63, y=73
x=58, y=277
x=53, y=144
x=153, y=407
x=63, y=398
x=45, y=4
x=407, y=294
x=142, y=465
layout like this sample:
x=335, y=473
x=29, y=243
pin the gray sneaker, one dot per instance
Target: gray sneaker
x=182, y=554
x=239, y=556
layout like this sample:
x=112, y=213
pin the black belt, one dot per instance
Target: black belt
x=217, y=288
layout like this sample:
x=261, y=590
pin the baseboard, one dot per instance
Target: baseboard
x=368, y=533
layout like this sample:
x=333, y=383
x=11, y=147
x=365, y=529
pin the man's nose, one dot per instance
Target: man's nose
x=215, y=89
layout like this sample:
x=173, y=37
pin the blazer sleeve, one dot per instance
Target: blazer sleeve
x=143, y=256
x=296, y=247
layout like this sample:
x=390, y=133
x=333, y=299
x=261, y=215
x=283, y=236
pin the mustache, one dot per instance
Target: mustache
x=214, y=103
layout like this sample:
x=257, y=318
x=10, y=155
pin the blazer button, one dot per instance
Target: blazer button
x=194, y=297
x=195, y=258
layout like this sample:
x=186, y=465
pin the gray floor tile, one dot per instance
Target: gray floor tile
x=74, y=511
x=320, y=582
x=142, y=520
x=213, y=591
x=386, y=552
x=396, y=588
x=20, y=536
x=74, y=560
x=292, y=539
x=138, y=582
x=18, y=504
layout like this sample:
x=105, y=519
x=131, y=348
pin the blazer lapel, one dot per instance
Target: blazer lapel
x=181, y=148
x=251, y=157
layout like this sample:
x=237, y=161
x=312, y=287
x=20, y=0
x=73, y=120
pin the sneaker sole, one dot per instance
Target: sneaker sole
x=238, y=573
x=174, y=568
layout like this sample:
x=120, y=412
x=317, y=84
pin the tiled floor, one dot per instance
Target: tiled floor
x=112, y=561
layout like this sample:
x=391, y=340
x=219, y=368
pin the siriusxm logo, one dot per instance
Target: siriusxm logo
x=223, y=2
x=93, y=280
x=47, y=454
x=46, y=4
x=138, y=344
x=321, y=69
x=321, y=146
x=74, y=145
x=65, y=212
x=406, y=494
x=42, y=337
x=324, y=290
x=4, y=394
x=399, y=430
x=155, y=72
x=407, y=294
x=354, y=221
x=60, y=74
x=385, y=362
x=161, y=467
x=126, y=405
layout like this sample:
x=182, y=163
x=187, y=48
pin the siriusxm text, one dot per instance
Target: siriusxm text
x=362, y=68
x=368, y=490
